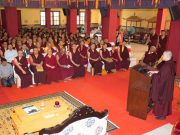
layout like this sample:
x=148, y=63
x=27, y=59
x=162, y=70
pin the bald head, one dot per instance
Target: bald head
x=167, y=55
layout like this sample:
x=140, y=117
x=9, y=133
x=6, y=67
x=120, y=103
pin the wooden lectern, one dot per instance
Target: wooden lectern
x=138, y=92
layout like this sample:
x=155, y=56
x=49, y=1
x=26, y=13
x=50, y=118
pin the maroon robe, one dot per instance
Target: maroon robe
x=116, y=60
x=150, y=58
x=154, y=40
x=30, y=46
x=41, y=50
x=65, y=72
x=125, y=57
x=55, y=41
x=99, y=45
x=78, y=71
x=52, y=74
x=162, y=89
x=108, y=65
x=26, y=79
x=162, y=47
x=83, y=53
x=39, y=77
x=97, y=65
x=108, y=45
x=3, y=50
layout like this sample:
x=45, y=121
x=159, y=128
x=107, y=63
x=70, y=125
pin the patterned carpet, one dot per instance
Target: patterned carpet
x=6, y=122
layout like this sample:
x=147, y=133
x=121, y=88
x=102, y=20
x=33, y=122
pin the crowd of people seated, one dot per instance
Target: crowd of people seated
x=50, y=55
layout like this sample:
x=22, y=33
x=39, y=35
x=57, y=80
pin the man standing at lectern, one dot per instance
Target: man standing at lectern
x=163, y=87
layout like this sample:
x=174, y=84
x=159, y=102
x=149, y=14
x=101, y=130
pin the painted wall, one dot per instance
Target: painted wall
x=32, y=16
x=144, y=14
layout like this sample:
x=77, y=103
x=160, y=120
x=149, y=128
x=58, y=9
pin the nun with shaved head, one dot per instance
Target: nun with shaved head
x=163, y=87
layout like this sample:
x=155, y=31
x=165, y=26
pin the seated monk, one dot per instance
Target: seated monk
x=60, y=45
x=36, y=60
x=64, y=63
x=123, y=54
x=51, y=67
x=95, y=60
x=22, y=69
x=83, y=53
x=49, y=46
x=114, y=56
x=106, y=58
x=150, y=56
x=79, y=69
x=107, y=42
x=39, y=48
x=163, y=87
x=100, y=45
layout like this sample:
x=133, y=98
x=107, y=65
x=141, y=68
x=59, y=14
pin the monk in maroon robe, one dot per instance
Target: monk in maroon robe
x=40, y=49
x=79, y=69
x=106, y=58
x=152, y=39
x=51, y=67
x=36, y=60
x=95, y=60
x=107, y=42
x=150, y=56
x=100, y=45
x=64, y=63
x=22, y=69
x=163, y=87
x=83, y=53
x=114, y=56
x=123, y=54
x=161, y=47
x=30, y=44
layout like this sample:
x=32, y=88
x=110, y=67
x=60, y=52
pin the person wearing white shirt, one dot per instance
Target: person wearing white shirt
x=6, y=73
x=10, y=54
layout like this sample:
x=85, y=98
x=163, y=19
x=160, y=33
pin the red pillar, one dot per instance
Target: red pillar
x=11, y=19
x=173, y=43
x=3, y=19
x=161, y=20
x=88, y=21
x=72, y=21
x=178, y=66
x=118, y=18
x=109, y=25
x=48, y=17
x=118, y=22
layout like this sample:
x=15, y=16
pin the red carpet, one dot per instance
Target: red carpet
x=100, y=92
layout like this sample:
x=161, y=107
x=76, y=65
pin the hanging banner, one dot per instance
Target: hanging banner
x=96, y=3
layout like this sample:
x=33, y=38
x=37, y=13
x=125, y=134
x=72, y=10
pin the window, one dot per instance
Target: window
x=81, y=18
x=43, y=18
x=55, y=18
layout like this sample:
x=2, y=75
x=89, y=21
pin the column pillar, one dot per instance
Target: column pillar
x=48, y=17
x=173, y=43
x=119, y=12
x=72, y=21
x=3, y=19
x=109, y=25
x=88, y=21
x=161, y=20
x=11, y=19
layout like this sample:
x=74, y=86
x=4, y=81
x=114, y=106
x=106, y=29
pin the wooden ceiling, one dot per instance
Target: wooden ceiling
x=91, y=4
